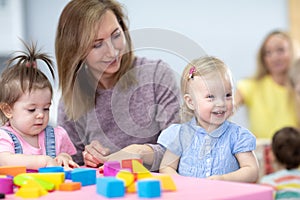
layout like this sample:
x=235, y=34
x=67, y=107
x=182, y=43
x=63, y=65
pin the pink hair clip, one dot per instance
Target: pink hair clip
x=31, y=64
x=191, y=72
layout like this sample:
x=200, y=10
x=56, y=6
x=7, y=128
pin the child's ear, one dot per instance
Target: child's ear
x=189, y=101
x=6, y=109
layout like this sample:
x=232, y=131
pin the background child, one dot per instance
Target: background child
x=285, y=148
x=207, y=145
x=25, y=99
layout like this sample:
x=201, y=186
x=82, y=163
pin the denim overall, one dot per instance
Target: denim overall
x=49, y=142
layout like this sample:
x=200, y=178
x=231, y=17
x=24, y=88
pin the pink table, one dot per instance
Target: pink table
x=187, y=188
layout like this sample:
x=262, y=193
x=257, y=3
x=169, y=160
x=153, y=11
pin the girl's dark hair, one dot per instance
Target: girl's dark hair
x=22, y=75
x=286, y=147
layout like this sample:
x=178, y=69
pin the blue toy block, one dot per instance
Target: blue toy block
x=110, y=187
x=148, y=188
x=111, y=168
x=85, y=176
x=51, y=169
x=68, y=174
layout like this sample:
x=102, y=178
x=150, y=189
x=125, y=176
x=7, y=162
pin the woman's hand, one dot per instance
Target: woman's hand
x=66, y=161
x=95, y=154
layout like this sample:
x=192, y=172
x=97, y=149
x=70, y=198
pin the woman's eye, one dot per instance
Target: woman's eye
x=116, y=35
x=98, y=45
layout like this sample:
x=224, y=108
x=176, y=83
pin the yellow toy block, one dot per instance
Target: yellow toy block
x=55, y=178
x=125, y=176
x=34, y=184
x=166, y=181
x=70, y=186
x=28, y=193
x=22, y=179
x=12, y=170
x=131, y=188
x=141, y=171
x=31, y=189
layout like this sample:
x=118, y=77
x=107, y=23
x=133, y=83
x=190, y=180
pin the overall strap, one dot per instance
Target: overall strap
x=17, y=144
x=50, y=142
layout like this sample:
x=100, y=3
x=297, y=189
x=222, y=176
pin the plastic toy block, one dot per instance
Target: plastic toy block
x=51, y=169
x=68, y=174
x=125, y=176
x=2, y=196
x=28, y=193
x=131, y=188
x=128, y=163
x=12, y=170
x=85, y=176
x=55, y=178
x=148, y=188
x=6, y=185
x=22, y=179
x=166, y=182
x=110, y=187
x=33, y=184
x=70, y=186
x=140, y=171
x=111, y=168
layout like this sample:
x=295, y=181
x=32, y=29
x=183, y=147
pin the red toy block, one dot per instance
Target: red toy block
x=128, y=163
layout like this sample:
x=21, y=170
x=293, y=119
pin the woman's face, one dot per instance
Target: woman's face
x=105, y=56
x=277, y=55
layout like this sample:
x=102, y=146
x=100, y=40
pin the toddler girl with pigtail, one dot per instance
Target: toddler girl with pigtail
x=26, y=139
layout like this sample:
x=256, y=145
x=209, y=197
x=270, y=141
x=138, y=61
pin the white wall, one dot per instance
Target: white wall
x=231, y=30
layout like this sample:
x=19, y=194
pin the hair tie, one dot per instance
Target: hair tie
x=31, y=64
x=191, y=72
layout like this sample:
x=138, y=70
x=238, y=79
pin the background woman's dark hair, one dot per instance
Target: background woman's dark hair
x=286, y=147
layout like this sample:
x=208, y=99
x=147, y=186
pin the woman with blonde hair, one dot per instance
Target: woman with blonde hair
x=114, y=104
x=266, y=94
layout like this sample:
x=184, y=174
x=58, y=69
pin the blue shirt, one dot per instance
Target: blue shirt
x=202, y=154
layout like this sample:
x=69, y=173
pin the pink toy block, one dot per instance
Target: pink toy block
x=111, y=168
x=6, y=185
x=85, y=176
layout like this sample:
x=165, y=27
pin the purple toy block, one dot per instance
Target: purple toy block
x=85, y=176
x=111, y=168
x=6, y=185
x=110, y=187
x=149, y=188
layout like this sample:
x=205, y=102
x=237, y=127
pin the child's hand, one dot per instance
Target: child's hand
x=66, y=161
x=50, y=162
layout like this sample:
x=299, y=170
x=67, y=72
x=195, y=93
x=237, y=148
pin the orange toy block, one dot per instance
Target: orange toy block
x=141, y=171
x=70, y=186
x=125, y=176
x=12, y=170
x=166, y=182
x=131, y=188
x=31, y=189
